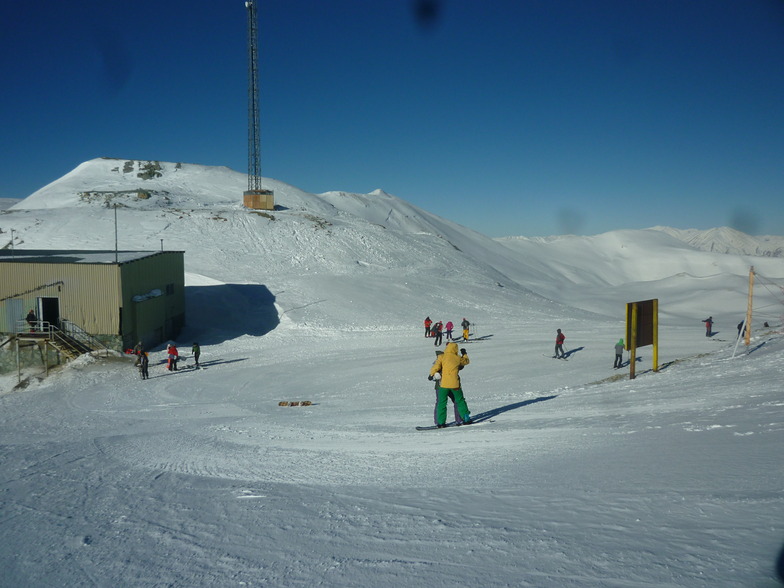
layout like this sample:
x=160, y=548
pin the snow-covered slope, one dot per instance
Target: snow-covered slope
x=727, y=240
x=574, y=475
x=313, y=246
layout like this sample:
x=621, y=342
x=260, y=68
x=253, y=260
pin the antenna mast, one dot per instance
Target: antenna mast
x=255, y=197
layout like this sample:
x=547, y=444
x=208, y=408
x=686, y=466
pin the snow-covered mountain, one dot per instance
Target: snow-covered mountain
x=379, y=243
x=727, y=240
x=573, y=476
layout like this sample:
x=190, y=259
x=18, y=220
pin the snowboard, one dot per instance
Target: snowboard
x=452, y=424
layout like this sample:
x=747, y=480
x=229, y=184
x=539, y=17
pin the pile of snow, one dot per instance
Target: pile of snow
x=574, y=475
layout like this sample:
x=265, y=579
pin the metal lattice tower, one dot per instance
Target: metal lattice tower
x=254, y=123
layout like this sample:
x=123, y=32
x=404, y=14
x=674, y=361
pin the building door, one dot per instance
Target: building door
x=49, y=310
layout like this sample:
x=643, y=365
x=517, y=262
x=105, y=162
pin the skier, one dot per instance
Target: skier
x=559, y=340
x=144, y=364
x=449, y=365
x=742, y=328
x=438, y=329
x=437, y=380
x=449, y=326
x=618, y=354
x=708, y=326
x=196, y=350
x=428, y=322
x=465, y=324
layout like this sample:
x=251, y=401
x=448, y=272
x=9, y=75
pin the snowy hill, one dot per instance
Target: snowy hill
x=727, y=240
x=572, y=476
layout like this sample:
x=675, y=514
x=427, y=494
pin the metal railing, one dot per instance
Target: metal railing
x=69, y=335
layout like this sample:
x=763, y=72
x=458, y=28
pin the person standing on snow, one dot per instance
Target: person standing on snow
x=559, y=341
x=708, y=326
x=451, y=395
x=449, y=326
x=618, y=354
x=196, y=350
x=138, y=349
x=465, y=324
x=144, y=364
x=438, y=330
x=173, y=355
x=428, y=322
x=449, y=364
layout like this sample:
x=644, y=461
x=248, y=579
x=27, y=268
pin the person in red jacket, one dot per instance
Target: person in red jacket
x=428, y=322
x=171, y=350
x=559, y=341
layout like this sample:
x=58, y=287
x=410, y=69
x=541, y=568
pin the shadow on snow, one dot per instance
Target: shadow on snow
x=487, y=415
x=215, y=314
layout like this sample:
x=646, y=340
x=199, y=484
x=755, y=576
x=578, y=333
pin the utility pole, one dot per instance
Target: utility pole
x=255, y=196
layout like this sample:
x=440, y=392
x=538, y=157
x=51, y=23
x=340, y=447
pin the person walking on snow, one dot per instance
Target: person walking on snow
x=449, y=365
x=428, y=322
x=449, y=326
x=618, y=354
x=708, y=326
x=438, y=333
x=559, y=340
x=451, y=395
x=465, y=324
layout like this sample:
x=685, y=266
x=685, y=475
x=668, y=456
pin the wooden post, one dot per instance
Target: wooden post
x=633, y=344
x=655, y=334
x=748, y=307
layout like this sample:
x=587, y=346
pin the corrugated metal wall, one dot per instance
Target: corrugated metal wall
x=100, y=297
x=89, y=293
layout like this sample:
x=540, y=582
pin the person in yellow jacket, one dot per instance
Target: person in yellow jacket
x=449, y=364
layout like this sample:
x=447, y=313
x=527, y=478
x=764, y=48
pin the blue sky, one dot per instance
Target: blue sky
x=510, y=117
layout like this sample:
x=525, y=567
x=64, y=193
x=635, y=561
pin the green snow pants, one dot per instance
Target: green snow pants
x=460, y=403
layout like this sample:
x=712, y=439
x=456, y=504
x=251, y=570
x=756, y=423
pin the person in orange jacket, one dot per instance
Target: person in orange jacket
x=428, y=322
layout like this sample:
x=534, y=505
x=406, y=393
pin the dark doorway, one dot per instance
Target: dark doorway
x=50, y=311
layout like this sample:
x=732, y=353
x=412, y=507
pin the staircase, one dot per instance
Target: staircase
x=70, y=339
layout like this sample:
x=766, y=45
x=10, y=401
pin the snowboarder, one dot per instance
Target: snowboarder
x=173, y=355
x=449, y=326
x=465, y=324
x=451, y=395
x=196, y=350
x=144, y=364
x=559, y=341
x=428, y=322
x=708, y=326
x=618, y=354
x=438, y=329
x=449, y=365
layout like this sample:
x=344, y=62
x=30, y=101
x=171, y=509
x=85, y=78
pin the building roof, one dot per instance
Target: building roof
x=75, y=256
